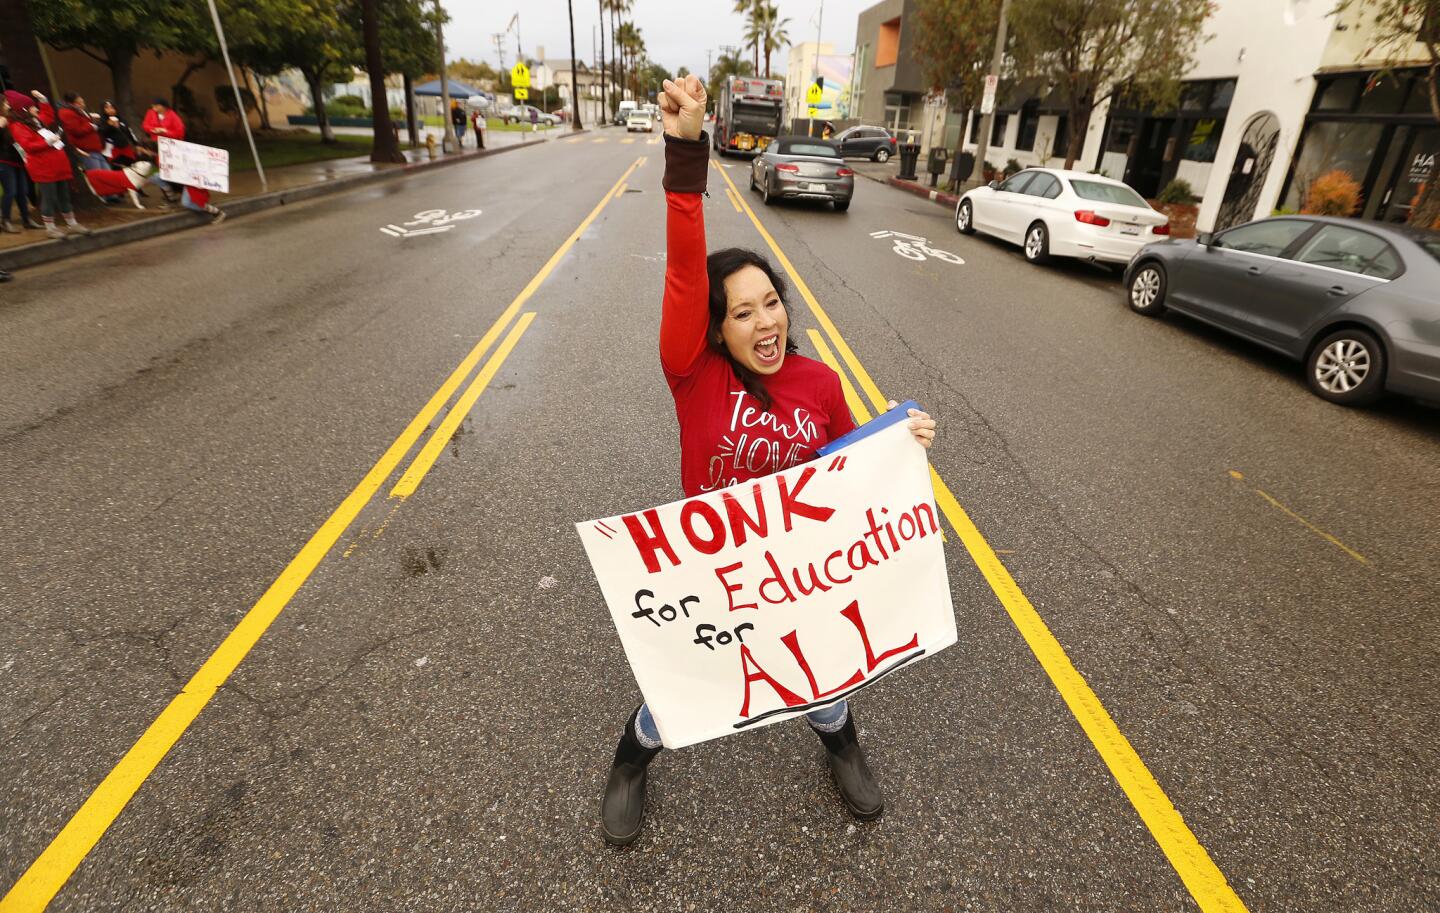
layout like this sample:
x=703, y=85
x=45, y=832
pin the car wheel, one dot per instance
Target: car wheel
x=765, y=193
x=965, y=218
x=1347, y=367
x=882, y=155
x=1037, y=243
x=842, y=205
x=752, y=179
x=1147, y=290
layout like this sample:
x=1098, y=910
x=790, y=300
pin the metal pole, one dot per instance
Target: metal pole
x=819, y=25
x=977, y=175
x=239, y=105
x=447, y=130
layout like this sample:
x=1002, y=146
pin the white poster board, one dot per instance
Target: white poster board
x=750, y=605
x=194, y=165
x=987, y=99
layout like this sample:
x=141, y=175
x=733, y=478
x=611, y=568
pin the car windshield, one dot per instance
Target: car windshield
x=823, y=149
x=1108, y=193
x=1431, y=246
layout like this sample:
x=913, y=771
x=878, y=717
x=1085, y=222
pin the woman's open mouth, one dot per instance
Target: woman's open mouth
x=767, y=350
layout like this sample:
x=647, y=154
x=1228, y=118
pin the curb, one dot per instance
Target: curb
x=937, y=196
x=47, y=251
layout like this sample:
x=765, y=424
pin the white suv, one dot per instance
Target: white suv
x=639, y=120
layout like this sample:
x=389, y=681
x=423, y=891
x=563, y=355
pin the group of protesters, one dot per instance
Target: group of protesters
x=39, y=142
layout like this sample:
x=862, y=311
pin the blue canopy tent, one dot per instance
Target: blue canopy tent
x=457, y=89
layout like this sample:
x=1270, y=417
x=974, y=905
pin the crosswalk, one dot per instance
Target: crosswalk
x=652, y=141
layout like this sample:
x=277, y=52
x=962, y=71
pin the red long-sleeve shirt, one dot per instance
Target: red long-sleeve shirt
x=79, y=130
x=726, y=435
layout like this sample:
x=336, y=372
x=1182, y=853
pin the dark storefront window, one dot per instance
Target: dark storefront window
x=1204, y=140
x=1382, y=96
x=975, y=118
x=997, y=133
x=1029, y=121
x=1062, y=137
x=1348, y=146
x=1122, y=130
x=1337, y=94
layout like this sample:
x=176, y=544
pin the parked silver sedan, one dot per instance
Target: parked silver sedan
x=794, y=167
x=1357, y=302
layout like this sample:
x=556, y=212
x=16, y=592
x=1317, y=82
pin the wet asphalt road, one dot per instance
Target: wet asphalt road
x=428, y=724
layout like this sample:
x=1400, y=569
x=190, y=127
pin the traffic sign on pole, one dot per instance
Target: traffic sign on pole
x=987, y=101
x=522, y=94
x=520, y=76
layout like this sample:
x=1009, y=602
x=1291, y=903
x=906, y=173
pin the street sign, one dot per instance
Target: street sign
x=987, y=101
x=814, y=112
x=816, y=92
x=520, y=76
x=522, y=94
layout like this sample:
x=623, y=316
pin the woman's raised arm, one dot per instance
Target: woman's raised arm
x=684, y=316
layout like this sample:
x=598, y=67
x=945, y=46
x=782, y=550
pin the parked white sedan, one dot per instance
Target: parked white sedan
x=1055, y=213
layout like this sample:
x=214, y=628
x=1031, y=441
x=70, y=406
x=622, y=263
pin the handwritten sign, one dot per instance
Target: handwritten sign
x=750, y=605
x=194, y=165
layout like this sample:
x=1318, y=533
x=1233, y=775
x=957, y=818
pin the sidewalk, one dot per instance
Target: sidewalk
x=887, y=174
x=121, y=222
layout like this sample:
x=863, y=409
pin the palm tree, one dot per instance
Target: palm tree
x=632, y=46
x=728, y=65
x=775, y=36
x=604, y=101
x=618, y=9
x=746, y=8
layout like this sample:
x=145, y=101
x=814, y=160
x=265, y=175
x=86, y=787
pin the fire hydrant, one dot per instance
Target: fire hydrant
x=430, y=144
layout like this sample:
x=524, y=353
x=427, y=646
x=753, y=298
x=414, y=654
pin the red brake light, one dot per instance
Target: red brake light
x=1089, y=218
x=787, y=168
x=844, y=172
x=1162, y=229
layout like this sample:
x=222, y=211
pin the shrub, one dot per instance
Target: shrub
x=1012, y=166
x=1334, y=193
x=346, y=101
x=1177, y=191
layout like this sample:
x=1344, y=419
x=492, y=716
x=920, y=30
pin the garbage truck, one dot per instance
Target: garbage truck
x=748, y=114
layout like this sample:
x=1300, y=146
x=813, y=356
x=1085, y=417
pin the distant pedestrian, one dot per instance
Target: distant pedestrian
x=49, y=169
x=160, y=121
x=457, y=117
x=117, y=137
x=81, y=133
x=534, y=120
x=13, y=178
x=827, y=131
x=477, y=120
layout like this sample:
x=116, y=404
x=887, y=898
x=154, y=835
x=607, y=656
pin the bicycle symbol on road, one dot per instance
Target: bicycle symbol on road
x=433, y=220
x=914, y=247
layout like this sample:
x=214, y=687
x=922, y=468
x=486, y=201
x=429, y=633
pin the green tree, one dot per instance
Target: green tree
x=320, y=41
x=475, y=72
x=1093, y=49
x=746, y=9
x=727, y=66
x=1405, y=32
x=954, y=44
x=113, y=34
x=773, y=36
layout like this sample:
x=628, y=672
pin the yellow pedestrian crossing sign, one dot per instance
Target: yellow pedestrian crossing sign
x=814, y=112
x=520, y=76
x=816, y=92
x=522, y=94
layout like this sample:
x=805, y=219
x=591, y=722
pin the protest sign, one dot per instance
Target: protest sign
x=194, y=165
x=750, y=605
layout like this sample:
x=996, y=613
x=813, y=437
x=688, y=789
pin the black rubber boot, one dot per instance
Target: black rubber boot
x=852, y=776
x=622, y=810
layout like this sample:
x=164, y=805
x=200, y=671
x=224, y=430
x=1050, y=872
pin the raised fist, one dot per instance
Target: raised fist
x=682, y=107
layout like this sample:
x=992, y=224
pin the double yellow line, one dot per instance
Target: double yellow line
x=1204, y=880
x=58, y=861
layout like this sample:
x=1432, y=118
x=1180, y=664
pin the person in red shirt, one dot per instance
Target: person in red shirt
x=160, y=121
x=49, y=169
x=728, y=358
x=81, y=134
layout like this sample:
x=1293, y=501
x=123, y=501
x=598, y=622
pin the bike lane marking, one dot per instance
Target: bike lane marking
x=1202, y=878
x=44, y=878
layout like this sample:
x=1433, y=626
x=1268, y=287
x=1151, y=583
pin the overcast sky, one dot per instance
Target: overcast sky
x=676, y=34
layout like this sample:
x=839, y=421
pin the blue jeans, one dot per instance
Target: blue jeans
x=189, y=203
x=826, y=719
x=16, y=184
x=93, y=161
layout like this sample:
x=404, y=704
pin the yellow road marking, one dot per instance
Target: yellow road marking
x=1204, y=880
x=38, y=885
x=1304, y=522
x=598, y=139
x=652, y=141
x=446, y=429
x=734, y=200
x=627, y=141
x=852, y=397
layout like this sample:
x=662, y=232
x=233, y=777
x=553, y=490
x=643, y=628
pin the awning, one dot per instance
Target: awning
x=457, y=89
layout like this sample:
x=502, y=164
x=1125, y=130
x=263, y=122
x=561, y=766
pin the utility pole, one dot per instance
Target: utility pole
x=604, y=96
x=239, y=105
x=574, y=72
x=977, y=176
x=500, y=49
x=819, y=24
x=447, y=144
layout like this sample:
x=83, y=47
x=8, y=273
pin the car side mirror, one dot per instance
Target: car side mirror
x=993, y=185
x=1205, y=238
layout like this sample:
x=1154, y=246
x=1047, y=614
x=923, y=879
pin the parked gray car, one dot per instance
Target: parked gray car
x=801, y=166
x=1357, y=302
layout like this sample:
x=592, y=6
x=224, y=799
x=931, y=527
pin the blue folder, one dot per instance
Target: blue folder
x=879, y=423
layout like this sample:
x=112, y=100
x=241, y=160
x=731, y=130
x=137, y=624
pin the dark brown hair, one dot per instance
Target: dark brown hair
x=720, y=265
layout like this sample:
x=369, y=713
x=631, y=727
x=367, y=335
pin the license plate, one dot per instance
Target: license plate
x=1129, y=229
x=816, y=188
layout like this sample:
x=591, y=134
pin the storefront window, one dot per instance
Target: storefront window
x=1204, y=140
x=1062, y=137
x=1419, y=100
x=1337, y=94
x=1195, y=97
x=1029, y=121
x=1382, y=96
x=1224, y=92
x=997, y=133
x=1332, y=146
x=1122, y=129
